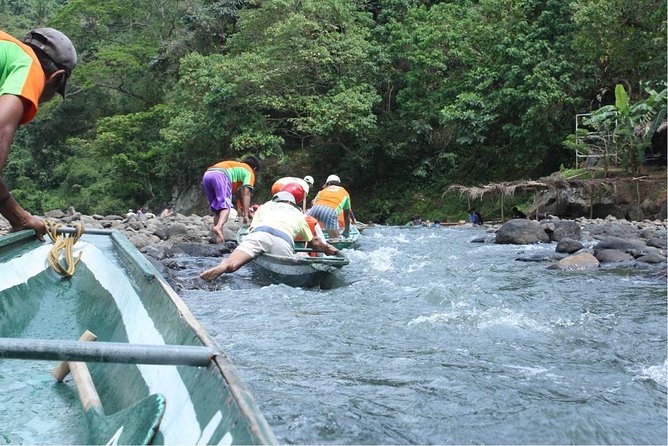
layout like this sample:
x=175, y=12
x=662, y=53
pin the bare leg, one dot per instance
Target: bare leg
x=219, y=219
x=235, y=261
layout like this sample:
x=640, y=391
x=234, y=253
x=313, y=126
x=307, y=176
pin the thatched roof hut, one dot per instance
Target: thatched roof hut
x=508, y=189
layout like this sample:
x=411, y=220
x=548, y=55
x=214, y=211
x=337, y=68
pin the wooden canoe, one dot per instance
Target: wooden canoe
x=299, y=271
x=157, y=375
x=346, y=242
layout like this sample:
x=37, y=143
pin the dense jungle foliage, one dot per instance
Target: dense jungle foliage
x=400, y=98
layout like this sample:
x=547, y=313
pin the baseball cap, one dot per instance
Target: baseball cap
x=284, y=196
x=332, y=178
x=58, y=47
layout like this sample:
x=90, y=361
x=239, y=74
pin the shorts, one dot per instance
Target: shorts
x=218, y=190
x=327, y=216
x=257, y=243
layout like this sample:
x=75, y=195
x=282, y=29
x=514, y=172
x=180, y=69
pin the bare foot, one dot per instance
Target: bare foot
x=218, y=232
x=212, y=273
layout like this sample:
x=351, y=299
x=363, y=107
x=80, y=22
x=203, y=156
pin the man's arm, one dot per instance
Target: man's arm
x=11, y=111
x=325, y=247
x=245, y=203
x=346, y=220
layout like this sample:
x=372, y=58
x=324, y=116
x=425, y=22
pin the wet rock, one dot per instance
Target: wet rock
x=657, y=242
x=612, y=256
x=521, y=232
x=652, y=258
x=569, y=246
x=198, y=250
x=618, y=244
x=577, y=262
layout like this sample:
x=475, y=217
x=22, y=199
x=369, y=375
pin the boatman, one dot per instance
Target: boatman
x=31, y=73
x=298, y=192
x=305, y=184
x=331, y=201
x=221, y=181
x=275, y=226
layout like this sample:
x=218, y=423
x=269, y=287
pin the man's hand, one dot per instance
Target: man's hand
x=32, y=222
x=330, y=250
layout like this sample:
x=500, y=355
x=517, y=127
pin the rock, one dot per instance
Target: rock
x=657, y=242
x=563, y=229
x=521, y=232
x=154, y=251
x=55, y=213
x=198, y=250
x=612, y=256
x=569, y=246
x=618, y=244
x=577, y=262
x=650, y=207
x=651, y=258
x=176, y=228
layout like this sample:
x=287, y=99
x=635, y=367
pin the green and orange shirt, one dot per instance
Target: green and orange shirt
x=334, y=197
x=20, y=74
x=240, y=174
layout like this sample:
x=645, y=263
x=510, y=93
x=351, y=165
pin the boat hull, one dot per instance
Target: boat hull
x=301, y=271
x=119, y=296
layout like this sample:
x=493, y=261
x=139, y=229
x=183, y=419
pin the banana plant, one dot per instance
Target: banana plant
x=631, y=125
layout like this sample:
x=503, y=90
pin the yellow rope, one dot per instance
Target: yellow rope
x=64, y=243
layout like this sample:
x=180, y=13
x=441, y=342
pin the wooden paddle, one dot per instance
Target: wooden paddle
x=136, y=424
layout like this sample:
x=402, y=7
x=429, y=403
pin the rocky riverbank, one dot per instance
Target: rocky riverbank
x=581, y=243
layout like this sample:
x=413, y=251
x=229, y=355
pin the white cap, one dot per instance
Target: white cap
x=309, y=180
x=284, y=196
x=332, y=178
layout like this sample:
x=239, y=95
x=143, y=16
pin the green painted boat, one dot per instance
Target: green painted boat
x=300, y=271
x=346, y=242
x=152, y=376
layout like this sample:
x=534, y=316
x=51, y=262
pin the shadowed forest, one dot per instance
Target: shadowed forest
x=400, y=98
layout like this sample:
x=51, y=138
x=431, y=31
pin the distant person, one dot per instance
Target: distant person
x=475, y=217
x=32, y=71
x=331, y=201
x=221, y=181
x=274, y=228
x=306, y=183
x=518, y=214
x=416, y=220
x=168, y=211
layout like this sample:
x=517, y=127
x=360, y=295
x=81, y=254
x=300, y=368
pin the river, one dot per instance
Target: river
x=427, y=338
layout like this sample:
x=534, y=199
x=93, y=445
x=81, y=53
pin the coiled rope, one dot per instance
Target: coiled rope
x=63, y=243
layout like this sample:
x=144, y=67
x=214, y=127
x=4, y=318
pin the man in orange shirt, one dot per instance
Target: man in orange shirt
x=31, y=73
x=331, y=201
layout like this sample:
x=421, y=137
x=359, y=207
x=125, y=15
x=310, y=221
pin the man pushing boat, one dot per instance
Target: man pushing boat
x=274, y=227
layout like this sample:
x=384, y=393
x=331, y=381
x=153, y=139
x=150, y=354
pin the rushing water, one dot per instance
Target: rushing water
x=427, y=338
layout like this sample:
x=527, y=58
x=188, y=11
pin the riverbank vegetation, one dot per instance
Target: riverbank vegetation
x=400, y=98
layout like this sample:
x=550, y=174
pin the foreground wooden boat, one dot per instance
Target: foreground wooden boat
x=300, y=271
x=159, y=376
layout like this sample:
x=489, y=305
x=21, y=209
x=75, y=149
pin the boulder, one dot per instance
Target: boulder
x=55, y=213
x=657, y=242
x=612, y=256
x=577, y=262
x=564, y=229
x=521, y=232
x=619, y=244
x=568, y=246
